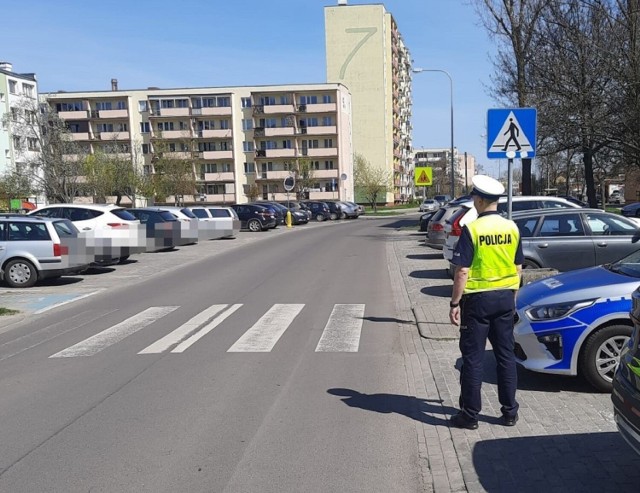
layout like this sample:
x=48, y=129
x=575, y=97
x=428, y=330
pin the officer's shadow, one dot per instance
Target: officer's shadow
x=422, y=410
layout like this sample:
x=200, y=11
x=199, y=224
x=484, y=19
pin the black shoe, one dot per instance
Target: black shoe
x=461, y=420
x=509, y=420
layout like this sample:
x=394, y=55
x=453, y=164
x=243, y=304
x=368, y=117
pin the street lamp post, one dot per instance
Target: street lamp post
x=453, y=168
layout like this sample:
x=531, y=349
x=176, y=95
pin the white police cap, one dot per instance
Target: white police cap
x=487, y=187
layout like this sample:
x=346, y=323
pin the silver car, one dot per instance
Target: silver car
x=568, y=239
x=35, y=248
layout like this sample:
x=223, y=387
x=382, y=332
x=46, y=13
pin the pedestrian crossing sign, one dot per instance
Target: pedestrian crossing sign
x=424, y=176
x=511, y=133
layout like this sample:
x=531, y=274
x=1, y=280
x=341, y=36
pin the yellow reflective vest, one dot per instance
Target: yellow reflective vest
x=495, y=242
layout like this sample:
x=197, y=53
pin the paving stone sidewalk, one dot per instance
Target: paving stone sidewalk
x=566, y=439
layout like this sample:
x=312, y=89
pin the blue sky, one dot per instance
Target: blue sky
x=78, y=45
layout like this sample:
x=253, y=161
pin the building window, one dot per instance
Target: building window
x=226, y=167
x=182, y=103
x=206, y=146
x=172, y=147
x=165, y=126
x=224, y=124
x=310, y=144
x=167, y=103
x=268, y=122
x=328, y=165
x=145, y=127
x=247, y=146
x=70, y=106
x=104, y=127
x=32, y=144
x=249, y=168
x=328, y=143
x=143, y=105
x=326, y=98
x=13, y=87
x=206, y=125
x=17, y=144
x=327, y=121
x=246, y=102
x=209, y=168
x=247, y=124
x=121, y=127
x=184, y=126
x=27, y=90
x=286, y=144
x=14, y=114
x=121, y=105
x=267, y=100
x=103, y=105
x=308, y=99
x=284, y=99
x=145, y=148
x=74, y=128
x=146, y=169
x=225, y=146
x=223, y=101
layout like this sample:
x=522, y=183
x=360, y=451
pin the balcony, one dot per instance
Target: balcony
x=73, y=115
x=271, y=153
x=320, y=152
x=273, y=175
x=321, y=108
x=217, y=155
x=110, y=114
x=172, y=134
x=80, y=136
x=271, y=109
x=215, y=134
x=216, y=111
x=222, y=176
x=325, y=173
x=219, y=198
x=112, y=135
x=323, y=130
x=167, y=112
x=278, y=131
x=178, y=154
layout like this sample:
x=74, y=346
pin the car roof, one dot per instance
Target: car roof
x=85, y=206
x=546, y=212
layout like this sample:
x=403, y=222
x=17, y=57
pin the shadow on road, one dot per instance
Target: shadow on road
x=439, y=291
x=429, y=274
x=388, y=319
x=60, y=281
x=401, y=223
x=407, y=405
x=425, y=256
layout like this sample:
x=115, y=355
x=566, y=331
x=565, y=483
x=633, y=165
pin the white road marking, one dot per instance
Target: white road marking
x=184, y=330
x=265, y=332
x=180, y=348
x=342, y=332
x=116, y=333
x=46, y=309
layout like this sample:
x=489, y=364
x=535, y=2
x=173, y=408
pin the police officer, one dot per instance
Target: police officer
x=489, y=259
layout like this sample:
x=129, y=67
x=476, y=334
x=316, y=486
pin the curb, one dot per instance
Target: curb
x=431, y=330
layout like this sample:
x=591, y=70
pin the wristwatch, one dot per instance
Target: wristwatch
x=454, y=305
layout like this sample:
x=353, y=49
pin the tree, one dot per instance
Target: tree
x=252, y=192
x=110, y=170
x=514, y=24
x=13, y=185
x=47, y=154
x=174, y=172
x=372, y=182
x=304, y=174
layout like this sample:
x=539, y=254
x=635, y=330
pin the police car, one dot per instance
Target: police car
x=577, y=322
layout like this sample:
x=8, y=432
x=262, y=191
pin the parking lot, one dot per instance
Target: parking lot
x=566, y=439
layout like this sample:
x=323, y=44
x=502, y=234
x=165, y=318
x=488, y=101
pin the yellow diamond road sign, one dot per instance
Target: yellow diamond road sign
x=424, y=177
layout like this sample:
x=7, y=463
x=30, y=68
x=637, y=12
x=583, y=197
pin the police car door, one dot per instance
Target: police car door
x=561, y=242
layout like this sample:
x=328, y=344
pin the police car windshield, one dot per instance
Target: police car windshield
x=628, y=266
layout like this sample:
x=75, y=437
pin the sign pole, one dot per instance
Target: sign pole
x=510, y=185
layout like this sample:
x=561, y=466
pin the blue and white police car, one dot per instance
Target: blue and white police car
x=577, y=322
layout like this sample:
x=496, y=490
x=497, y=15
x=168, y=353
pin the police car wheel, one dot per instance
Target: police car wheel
x=600, y=355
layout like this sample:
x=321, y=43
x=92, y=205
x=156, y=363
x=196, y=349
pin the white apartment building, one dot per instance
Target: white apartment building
x=365, y=52
x=439, y=159
x=18, y=96
x=235, y=137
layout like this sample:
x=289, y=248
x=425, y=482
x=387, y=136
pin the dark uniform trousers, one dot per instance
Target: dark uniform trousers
x=487, y=314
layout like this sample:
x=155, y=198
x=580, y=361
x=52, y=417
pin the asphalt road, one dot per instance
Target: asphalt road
x=263, y=364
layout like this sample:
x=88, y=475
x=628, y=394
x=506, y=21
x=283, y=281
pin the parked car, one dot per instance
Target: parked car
x=423, y=223
x=224, y=220
x=295, y=206
x=298, y=215
x=111, y=233
x=255, y=217
x=335, y=210
x=429, y=205
x=442, y=199
x=631, y=210
x=577, y=322
x=347, y=210
x=436, y=236
x=467, y=213
x=162, y=228
x=37, y=248
x=359, y=208
x=319, y=210
x=626, y=383
x=616, y=197
x=189, y=225
x=573, y=239
x=276, y=210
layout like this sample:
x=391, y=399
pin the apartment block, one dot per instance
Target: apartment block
x=464, y=167
x=365, y=52
x=233, y=137
x=18, y=98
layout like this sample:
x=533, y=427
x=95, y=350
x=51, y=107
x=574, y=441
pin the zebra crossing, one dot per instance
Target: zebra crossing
x=341, y=333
